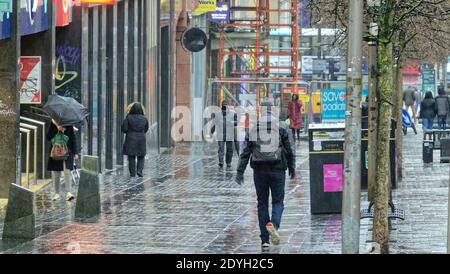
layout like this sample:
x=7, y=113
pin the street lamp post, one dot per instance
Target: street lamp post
x=352, y=158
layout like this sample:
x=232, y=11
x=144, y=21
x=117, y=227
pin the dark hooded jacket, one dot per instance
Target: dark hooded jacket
x=135, y=126
x=428, y=107
x=442, y=104
x=286, y=141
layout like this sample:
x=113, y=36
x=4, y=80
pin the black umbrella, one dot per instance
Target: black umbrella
x=66, y=111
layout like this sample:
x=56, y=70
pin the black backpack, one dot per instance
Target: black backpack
x=267, y=157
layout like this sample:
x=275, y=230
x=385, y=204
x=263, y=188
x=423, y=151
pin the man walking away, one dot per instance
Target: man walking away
x=427, y=113
x=270, y=150
x=409, y=98
x=225, y=122
x=442, y=108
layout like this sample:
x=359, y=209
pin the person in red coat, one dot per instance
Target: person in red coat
x=295, y=115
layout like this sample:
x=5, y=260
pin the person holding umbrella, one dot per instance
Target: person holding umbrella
x=56, y=166
x=66, y=113
x=135, y=126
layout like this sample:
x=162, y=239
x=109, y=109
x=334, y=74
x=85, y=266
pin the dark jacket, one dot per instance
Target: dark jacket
x=288, y=157
x=428, y=108
x=135, y=126
x=442, y=105
x=53, y=165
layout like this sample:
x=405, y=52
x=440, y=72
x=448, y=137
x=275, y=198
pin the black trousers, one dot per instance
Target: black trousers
x=229, y=151
x=293, y=133
x=132, y=165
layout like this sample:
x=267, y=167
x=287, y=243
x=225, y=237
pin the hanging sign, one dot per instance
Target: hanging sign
x=63, y=12
x=30, y=80
x=5, y=6
x=205, y=6
x=5, y=25
x=101, y=2
x=33, y=16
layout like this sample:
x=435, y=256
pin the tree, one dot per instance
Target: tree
x=406, y=28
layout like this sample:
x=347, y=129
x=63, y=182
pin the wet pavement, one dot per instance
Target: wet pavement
x=186, y=204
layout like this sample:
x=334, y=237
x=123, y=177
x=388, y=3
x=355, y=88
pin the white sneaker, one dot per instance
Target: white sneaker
x=274, y=236
x=55, y=197
x=69, y=196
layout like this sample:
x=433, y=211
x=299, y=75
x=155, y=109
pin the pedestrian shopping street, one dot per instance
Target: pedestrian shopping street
x=186, y=204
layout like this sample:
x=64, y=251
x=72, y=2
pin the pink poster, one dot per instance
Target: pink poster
x=333, y=178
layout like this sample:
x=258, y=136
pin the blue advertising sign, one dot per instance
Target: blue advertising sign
x=333, y=105
x=428, y=80
x=5, y=25
x=33, y=16
x=222, y=13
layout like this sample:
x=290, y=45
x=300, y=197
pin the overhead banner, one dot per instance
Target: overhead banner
x=30, y=80
x=5, y=25
x=63, y=12
x=33, y=16
x=333, y=105
x=221, y=14
x=205, y=6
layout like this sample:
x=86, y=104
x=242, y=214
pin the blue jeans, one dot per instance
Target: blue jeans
x=442, y=121
x=427, y=124
x=273, y=181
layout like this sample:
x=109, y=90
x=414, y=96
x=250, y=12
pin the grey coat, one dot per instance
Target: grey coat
x=409, y=96
x=442, y=105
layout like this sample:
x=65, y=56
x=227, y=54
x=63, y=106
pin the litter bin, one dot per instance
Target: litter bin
x=427, y=151
x=445, y=150
x=326, y=158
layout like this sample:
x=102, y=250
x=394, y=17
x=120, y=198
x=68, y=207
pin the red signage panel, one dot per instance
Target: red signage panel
x=63, y=11
x=101, y=2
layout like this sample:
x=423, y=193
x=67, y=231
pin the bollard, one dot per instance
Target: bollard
x=88, y=197
x=20, y=216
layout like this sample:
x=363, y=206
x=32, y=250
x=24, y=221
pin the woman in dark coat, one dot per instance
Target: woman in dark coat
x=135, y=126
x=428, y=112
x=57, y=166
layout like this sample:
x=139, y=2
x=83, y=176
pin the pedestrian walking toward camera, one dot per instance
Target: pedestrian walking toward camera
x=135, y=126
x=225, y=124
x=427, y=113
x=295, y=115
x=63, y=152
x=269, y=157
x=442, y=108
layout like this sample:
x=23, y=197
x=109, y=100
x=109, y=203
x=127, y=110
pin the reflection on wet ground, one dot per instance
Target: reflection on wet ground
x=186, y=204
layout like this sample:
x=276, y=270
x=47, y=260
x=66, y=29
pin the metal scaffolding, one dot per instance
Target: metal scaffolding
x=252, y=62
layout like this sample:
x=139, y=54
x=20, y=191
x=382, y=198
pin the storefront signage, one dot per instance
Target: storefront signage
x=30, y=80
x=205, y=6
x=333, y=105
x=222, y=13
x=333, y=178
x=33, y=16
